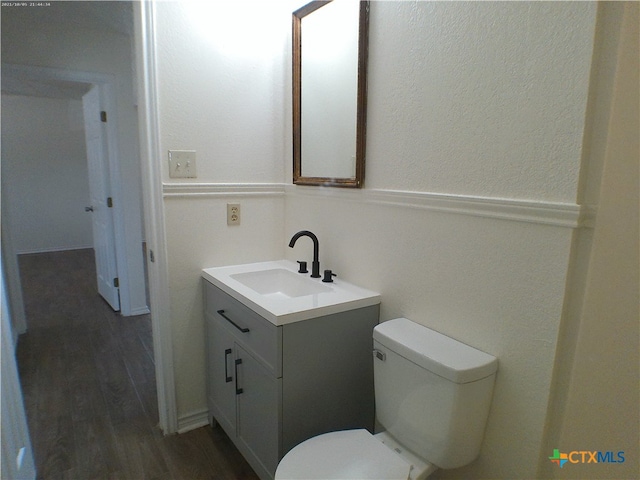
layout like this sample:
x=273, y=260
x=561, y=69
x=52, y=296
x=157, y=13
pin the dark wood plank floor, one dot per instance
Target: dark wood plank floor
x=88, y=381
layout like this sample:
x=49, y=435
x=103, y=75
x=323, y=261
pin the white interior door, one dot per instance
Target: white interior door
x=101, y=203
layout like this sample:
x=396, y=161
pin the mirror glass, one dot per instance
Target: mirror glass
x=329, y=92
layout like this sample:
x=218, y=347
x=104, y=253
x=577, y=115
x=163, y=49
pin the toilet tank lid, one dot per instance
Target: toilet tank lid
x=434, y=351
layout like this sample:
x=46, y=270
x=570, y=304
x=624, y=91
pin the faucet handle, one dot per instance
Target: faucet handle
x=328, y=276
x=303, y=267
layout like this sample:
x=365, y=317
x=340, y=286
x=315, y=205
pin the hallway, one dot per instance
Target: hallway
x=88, y=381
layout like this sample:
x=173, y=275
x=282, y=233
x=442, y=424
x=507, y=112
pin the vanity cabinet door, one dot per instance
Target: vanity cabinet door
x=259, y=411
x=221, y=370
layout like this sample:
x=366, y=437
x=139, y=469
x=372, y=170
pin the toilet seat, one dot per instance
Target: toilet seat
x=347, y=454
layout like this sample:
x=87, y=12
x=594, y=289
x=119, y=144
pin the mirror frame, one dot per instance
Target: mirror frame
x=361, y=109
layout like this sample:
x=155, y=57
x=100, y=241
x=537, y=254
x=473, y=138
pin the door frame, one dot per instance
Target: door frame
x=158, y=260
x=17, y=451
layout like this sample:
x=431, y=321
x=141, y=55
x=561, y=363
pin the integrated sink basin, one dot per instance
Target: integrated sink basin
x=279, y=281
x=276, y=291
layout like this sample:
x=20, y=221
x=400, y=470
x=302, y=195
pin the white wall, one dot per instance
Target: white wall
x=601, y=406
x=59, y=40
x=478, y=99
x=44, y=156
x=476, y=125
x=222, y=86
x=222, y=93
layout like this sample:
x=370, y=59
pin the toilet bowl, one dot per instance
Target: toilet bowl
x=352, y=454
x=433, y=395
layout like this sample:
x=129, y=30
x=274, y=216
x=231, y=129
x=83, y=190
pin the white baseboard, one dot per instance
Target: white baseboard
x=139, y=311
x=193, y=420
x=53, y=249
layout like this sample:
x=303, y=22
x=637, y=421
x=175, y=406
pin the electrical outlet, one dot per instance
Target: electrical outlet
x=233, y=214
x=182, y=164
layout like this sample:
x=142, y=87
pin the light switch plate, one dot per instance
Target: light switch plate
x=182, y=163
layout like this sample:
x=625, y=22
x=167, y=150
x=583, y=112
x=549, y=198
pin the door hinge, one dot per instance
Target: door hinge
x=109, y=202
x=116, y=282
x=103, y=116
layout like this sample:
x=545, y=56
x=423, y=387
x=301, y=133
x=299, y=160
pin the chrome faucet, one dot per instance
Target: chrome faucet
x=315, y=266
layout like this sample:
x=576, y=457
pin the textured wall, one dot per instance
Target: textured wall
x=478, y=98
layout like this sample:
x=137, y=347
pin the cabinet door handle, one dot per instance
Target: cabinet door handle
x=242, y=329
x=227, y=378
x=238, y=362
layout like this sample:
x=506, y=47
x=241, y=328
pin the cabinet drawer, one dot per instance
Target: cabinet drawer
x=250, y=330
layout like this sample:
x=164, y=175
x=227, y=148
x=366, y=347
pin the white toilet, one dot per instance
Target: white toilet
x=432, y=394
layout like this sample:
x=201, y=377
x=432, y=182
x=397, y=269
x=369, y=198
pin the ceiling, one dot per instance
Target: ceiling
x=111, y=16
x=21, y=84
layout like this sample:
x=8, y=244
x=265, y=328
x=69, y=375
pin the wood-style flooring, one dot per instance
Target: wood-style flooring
x=88, y=381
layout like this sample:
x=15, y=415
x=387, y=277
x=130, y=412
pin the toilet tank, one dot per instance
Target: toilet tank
x=432, y=392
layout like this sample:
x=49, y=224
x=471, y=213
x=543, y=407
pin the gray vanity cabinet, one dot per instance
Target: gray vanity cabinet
x=243, y=384
x=221, y=365
x=271, y=387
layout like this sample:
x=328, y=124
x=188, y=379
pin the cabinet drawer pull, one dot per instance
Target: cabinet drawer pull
x=238, y=362
x=242, y=329
x=227, y=378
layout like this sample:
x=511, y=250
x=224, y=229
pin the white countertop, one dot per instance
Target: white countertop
x=279, y=309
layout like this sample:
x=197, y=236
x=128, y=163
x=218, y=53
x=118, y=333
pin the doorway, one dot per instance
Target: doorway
x=116, y=38
x=61, y=88
x=52, y=194
x=59, y=279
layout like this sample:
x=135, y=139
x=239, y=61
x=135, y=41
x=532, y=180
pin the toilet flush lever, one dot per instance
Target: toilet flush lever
x=380, y=355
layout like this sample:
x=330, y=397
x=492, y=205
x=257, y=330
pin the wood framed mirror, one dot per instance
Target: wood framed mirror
x=330, y=50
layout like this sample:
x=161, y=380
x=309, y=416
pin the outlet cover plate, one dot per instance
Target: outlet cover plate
x=233, y=214
x=182, y=163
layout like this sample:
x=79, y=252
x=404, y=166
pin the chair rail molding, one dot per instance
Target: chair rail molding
x=558, y=214
x=192, y=189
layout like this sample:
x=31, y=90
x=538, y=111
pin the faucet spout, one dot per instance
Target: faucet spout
x=315, y=265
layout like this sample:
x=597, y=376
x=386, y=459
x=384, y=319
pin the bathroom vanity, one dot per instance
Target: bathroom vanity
x=288, y=357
